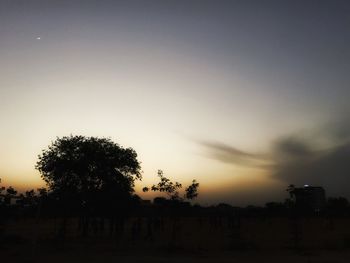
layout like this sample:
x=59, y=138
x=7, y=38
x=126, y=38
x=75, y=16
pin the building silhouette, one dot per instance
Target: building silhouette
x=310, y=198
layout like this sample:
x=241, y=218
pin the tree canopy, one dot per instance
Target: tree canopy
x=87, y=166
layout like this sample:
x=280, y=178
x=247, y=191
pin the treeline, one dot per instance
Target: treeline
x=44, y=203
x=162, y=222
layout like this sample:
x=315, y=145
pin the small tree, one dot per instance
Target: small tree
x=29, y=198
x=10, y=193
x=165, y=185
x=191, y=192
x=42, y=192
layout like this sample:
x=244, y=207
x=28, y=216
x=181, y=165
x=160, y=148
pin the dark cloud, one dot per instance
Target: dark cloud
x=304, y=160
x=338, y=130
x=229, y=154
x=329, y=168
x=300, y=160
x=291, y=147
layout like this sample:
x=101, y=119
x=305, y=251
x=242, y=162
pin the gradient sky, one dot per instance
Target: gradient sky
x=247, y=97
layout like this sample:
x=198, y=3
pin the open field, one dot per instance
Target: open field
x=312, y=240
x=196, y=233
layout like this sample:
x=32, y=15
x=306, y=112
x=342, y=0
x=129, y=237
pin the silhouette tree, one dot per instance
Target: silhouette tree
x=88, y=163
x=29, y=198
x=191, y=192
x=10, y=194
x=166, y=186
x=42, y=192
x=172, y=189
x=88, y=173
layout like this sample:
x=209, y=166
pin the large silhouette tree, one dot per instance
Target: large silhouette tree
x=87, y=169
x=92, y=175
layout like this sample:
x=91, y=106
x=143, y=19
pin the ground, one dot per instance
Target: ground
x=99, y=255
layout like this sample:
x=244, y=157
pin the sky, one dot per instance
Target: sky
x=246, y=97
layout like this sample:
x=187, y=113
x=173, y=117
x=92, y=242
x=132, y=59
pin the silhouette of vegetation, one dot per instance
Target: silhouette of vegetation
x=92, y=175
x=10, y=194
x=165, y=185
x=88, y=164
x=192, y=190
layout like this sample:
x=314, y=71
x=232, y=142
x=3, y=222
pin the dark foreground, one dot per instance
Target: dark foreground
x=72, y=254
x=180, y=239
